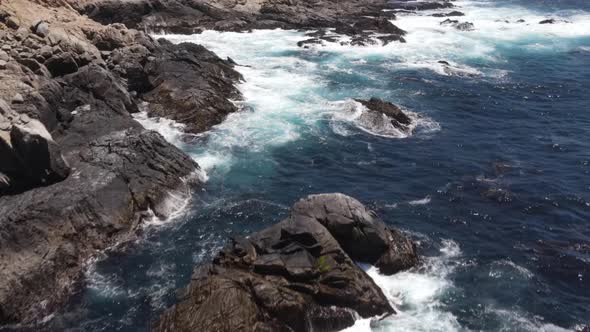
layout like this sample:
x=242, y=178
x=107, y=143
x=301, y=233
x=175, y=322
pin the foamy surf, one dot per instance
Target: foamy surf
x=174, y=133
x=470, y=54
x=422, y=201
x=417, y=295
x=171, y=130
x=285, y=93
x=284, y=98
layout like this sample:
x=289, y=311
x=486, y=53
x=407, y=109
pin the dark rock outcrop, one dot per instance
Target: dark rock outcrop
x=358, y=230
x=378, y=108
x=30, y=157
x=77, y=172
x=191, y=85
x=463, y=26
x=298, y=275
x=364, y=31
x=350, y=18
x=449, y=14
x=47, y=233
x=418, y=5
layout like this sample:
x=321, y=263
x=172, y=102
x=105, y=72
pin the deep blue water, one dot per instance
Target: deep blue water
x=495, y=187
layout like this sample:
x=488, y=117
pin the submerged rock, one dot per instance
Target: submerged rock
x=553, y=21
x=450, y=14
x=463, y=26
x=298, y=275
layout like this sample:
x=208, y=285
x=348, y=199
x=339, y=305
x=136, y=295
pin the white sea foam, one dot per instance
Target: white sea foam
x=103, y=285
x=282, y=92
x=279, y=93
x=416, y=295
x=173, y=206
x=497, y=30
x=170, y=129
x=422, y=201
x=502, y=267
x=282, y=97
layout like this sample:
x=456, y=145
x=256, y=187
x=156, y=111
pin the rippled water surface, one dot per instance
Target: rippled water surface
x=493, y=184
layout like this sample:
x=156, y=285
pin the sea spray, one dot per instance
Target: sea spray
x=417, y=295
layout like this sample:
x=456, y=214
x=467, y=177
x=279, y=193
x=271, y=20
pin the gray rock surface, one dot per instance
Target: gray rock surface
x=298, y=275
x=379, y=112
x=77, y=172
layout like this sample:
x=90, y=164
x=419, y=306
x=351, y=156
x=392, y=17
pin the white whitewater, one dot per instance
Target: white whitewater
x=416, y=295
x=284, y=97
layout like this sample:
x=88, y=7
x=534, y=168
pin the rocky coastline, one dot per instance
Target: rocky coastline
x=78, y=174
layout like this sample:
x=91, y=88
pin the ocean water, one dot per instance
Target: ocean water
x=493, y=183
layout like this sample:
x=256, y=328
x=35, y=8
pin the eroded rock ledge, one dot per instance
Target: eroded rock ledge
x=298, y=275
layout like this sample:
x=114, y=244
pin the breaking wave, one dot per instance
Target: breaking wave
x=417, y=295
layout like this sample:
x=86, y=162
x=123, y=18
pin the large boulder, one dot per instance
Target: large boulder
x=30, y=156
x=298, y=275
x=381, y=25
x=359, y=232
x=104, y=86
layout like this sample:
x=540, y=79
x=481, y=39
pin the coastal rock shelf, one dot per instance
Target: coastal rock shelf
x=297, y=275
x=77, y=173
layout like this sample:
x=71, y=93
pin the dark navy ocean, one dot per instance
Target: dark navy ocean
x=493, y=184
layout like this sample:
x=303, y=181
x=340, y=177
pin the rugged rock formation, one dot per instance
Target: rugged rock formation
x=298, y=275
x=77, y=172
x=364, y=31
x=382, y=114
x=201, y=98
x=363, y=21
x=30, y=157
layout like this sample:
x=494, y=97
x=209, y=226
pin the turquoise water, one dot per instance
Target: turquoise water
x=493, y=182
